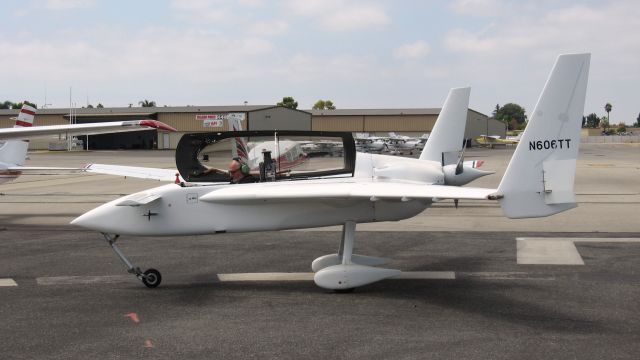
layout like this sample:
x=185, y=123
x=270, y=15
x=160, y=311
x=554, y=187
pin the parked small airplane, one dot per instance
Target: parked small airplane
x=538, y=182
x=14, y=143
x=399, y=144
x=493, y=140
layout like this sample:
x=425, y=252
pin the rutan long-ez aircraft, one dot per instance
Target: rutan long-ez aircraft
x=362, y=188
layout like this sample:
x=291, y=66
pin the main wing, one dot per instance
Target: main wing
x=374, y=191
x=82, y=129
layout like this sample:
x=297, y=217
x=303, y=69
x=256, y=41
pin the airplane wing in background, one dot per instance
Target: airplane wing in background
x=134, y=171
x=340, y=190
x=82, y=129
x=44, y=170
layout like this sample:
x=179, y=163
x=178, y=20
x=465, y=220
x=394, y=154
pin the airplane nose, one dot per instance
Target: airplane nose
x=89, y=220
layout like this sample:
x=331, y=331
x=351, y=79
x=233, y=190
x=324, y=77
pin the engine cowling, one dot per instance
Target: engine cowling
x=467, y=175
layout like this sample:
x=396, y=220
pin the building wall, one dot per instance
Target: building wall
x=478, y=124
x=338, y=123
x=283, y=118
x=40, y=120
x=397, y=123
x=279, y=118
x=187, y=122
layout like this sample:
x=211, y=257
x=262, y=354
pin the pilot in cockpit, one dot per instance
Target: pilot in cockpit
x=239, y=172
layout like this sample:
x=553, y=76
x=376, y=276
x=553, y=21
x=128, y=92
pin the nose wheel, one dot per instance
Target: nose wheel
x=151, y=278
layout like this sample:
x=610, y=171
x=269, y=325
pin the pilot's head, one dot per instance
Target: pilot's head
x=237, y=168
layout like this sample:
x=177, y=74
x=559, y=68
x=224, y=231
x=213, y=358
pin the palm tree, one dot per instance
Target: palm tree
x=607, y=108
x=147, y=103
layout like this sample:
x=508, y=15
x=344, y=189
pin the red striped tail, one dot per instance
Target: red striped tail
x=26, y=116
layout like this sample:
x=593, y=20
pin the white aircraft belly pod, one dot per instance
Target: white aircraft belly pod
x=538, y=182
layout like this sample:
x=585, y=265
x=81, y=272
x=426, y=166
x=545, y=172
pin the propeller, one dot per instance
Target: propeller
x=460, y=165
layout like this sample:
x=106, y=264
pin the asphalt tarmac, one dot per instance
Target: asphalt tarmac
x=560, y=287
x=73, y=299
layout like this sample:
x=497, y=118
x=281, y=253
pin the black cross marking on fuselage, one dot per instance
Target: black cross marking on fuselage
x=149, y=214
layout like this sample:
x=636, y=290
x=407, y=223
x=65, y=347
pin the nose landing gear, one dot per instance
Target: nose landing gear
x=151, y=278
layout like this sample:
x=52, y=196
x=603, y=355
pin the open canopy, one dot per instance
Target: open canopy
x=269, y=155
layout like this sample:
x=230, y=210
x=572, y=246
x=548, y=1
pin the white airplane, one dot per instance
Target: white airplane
x=399, y=144
x=14, y=143
x=366, y=143
x=538, y=182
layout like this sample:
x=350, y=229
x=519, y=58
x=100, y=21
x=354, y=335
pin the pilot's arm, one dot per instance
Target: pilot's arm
x=211, y=170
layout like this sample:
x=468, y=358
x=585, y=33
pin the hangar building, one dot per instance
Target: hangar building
x=411, y=122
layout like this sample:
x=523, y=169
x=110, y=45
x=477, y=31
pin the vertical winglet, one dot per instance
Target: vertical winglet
x=539, y=179
x=448, y=131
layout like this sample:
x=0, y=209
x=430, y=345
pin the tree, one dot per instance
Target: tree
x=324, y=105
x=584, y=121
x=288, y=102
x=18, y=105
x=593, y=121
x=99, y=106
x=607, y=108
x=637, y=124
x=147, y=103
x=89, y=106
x=510, y=112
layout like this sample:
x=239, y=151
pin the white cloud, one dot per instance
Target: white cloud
x=479, y=7
x=341, y=15
x=68, y=4
x=269, y=28
x=520, y=50
x=251, y=3
x=416, y=50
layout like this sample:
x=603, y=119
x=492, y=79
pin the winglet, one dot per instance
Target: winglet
x=539, y=179
x=448, y=132
x=156, y=124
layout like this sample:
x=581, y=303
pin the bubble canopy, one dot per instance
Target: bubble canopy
x=269, y=155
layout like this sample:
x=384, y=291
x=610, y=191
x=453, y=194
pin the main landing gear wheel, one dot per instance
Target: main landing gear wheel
x=151, y=278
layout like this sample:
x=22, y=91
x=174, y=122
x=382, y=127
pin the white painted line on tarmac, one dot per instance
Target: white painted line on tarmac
x=547, y=252
x=83, y=280
x=266, y=277
x=505, y=275
x=557, y=251
x=427, y=275
x=7, y=282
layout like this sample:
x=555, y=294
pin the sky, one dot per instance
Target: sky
x=359, y=54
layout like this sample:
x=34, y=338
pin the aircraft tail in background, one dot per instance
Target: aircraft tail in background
x=14, y=152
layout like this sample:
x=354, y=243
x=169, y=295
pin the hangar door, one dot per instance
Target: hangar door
x=145, y=139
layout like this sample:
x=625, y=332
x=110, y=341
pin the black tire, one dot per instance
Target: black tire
x=152, y=278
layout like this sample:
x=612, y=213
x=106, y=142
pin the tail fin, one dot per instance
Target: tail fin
x=448, y=132
x=539, y=179
x=239, y=145
x=14, y=152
